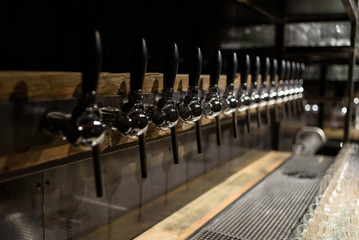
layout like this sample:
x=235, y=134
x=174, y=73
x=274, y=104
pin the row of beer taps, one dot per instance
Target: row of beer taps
x=88, y=123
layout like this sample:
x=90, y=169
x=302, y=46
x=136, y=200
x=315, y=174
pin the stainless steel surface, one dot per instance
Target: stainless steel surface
x=72, y=209
x=69, y=205
x=308, y=140
x=316, y=130
x=273, y=207
x=21, y=203
x=22, y=125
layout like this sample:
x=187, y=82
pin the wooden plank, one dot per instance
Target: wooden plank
x=26, y=85
x=32, y=85
x=351, y=7
x=255, y=6
x=184, y=222
x=338, y=133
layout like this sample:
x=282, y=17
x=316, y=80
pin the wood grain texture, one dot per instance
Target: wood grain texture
x=22, y=85
x=338, y=133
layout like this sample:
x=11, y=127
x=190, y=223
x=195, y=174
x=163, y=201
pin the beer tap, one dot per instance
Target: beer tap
x=301, y=89
x=254, y=89
x=134, y=110
x=244, y=97
x=190, y=109
x=297, y=88
x=264, y=91
x=280, y=89
x=165, y=114
x=273, y=95
x=212, y=105
x=230, y=101
x=84, y=127
x=132, y=120
x=292, y=89
x=286, y=88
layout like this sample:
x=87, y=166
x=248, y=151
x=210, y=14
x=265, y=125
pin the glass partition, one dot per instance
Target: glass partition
x=315, y=34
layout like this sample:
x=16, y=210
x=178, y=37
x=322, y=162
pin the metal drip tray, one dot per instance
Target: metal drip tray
x=272, y=208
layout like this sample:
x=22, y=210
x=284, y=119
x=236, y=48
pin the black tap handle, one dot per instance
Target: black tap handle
x=255, y=72
x=286, y=81
x=92, y=62
x=218, y=130
x=138, y=64
x=143, y=157
x=265, y=71
x=97, y=170
x=297, y=76
x=288, y=71
x=170, y=72
x=292, y=79
x=171, y=66
x=282, y=72
x=174, y=145
x=245, y=68
x=294, y=71
x=232, y=68
x=248, y=120
x=199, y=136
x=302, y=67
x=276, y=113
x=259, y=120
x=274, y=71
x=216, y=67
x=195, y=68
x=90, y=75
x=235, y=125
x=268, y=115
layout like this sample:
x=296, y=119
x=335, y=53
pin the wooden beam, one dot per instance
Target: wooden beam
x=256, y=7
x=27, y=85
x=316, y=18
x=352, y=9
x=350, y=85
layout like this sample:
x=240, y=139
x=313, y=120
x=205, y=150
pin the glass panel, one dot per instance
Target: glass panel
x=312, y=72
x=21, y=208
x=250, y=37
x=338, y=72
x=317, y=34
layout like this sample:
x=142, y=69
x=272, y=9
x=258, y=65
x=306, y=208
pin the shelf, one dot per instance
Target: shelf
x=317, y=18
x=324, y=100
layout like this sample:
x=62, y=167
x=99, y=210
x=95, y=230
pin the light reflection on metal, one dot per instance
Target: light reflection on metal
x=307, y=107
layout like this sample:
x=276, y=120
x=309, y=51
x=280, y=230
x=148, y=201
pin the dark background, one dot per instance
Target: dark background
x=48, y=36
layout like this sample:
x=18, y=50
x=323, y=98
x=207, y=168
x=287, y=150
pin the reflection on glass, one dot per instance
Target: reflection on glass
x=249, y=37
x=312, y=72
x=317, y=34
x=338, y=72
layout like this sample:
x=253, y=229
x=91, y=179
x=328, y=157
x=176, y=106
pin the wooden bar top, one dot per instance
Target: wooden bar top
x=180, y=224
